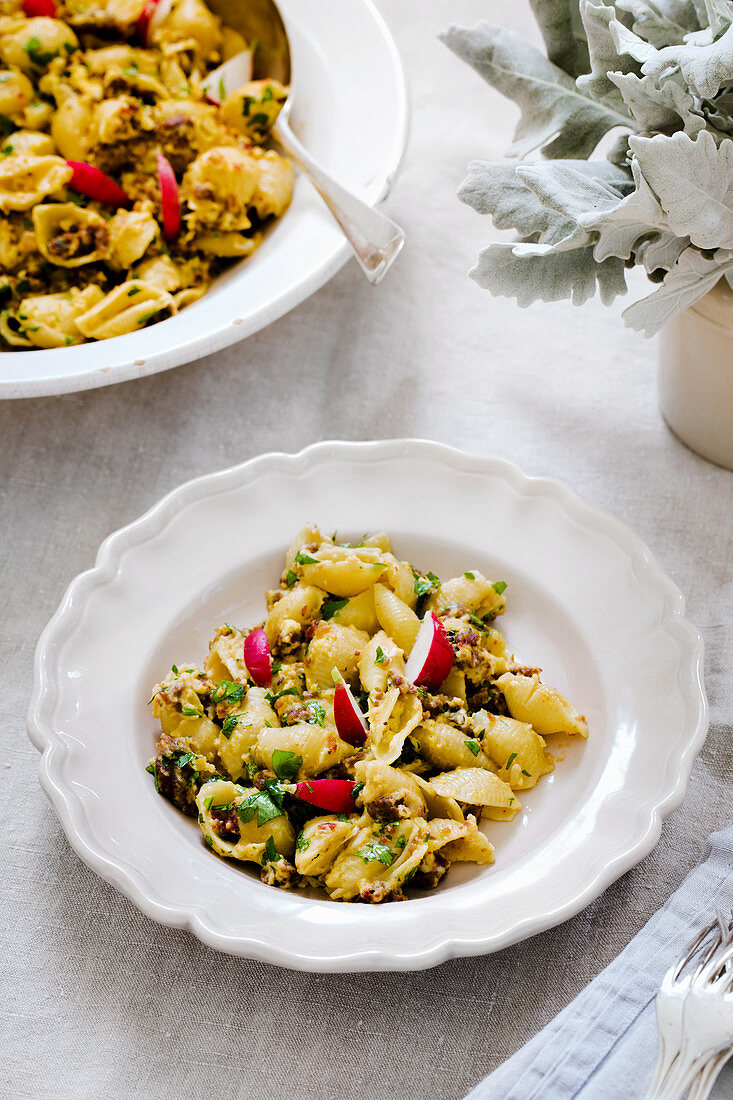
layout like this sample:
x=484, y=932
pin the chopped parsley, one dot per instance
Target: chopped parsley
x=266, y=804
x=425, y=585
x=230, y=724
x=401, y=842
x=39, y=56
x=318, y=712
x=151, y=768
x=290, y=578
x=473, y=746
x=528, y=774
x=271, y=854
x=305, y=559
x=179, y=757
x=302, y=842
x=470, y=576
x=477, y=622
x=359, y=787
x=228, y=692
x=285, y=764
x=133, y=291
x=208, y=801
x=272, y=697
x=7, y=126
x=381, y=656
x=510, y=761
x=192, y=712
x=222, y=89
x=330, y=608
x=208, y=841
x=499, y=587
x=370, y=853
x=174, y=669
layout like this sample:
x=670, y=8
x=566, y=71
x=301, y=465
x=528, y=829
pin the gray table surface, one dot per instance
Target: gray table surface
x=99, y=1001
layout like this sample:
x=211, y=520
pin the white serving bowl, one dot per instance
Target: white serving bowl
x=354, y=123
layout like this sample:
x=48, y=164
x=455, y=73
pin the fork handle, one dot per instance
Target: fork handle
x=374, y=238
x=703, y=1084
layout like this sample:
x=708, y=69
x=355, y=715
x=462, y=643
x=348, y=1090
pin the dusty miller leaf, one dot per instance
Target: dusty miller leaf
x=570, y=193
x=604, y=56
x=529, y=272
x=689, y=280
x=693, y=181
x=719, y=14
x=664, y=109
x=662, y=253
x=659, y=26
x=704, y=68
x=555, y=114
x=562, y=30
x=637, y=216
x=498, y=190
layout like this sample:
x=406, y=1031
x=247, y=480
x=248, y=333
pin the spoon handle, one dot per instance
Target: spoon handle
x=374, y=238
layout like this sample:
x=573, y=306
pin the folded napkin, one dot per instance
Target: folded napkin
x=603, y=1046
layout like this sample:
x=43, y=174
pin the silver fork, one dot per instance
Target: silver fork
x=695, y=1017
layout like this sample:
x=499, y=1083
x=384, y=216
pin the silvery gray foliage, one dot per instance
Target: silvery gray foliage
x=659, y=75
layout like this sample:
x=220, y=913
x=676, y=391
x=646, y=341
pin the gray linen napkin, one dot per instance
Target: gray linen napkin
x=603, y=1046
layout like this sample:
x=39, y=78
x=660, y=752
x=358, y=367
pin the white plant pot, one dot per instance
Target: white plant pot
x=696, y=375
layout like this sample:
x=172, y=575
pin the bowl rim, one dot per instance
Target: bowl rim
x=95, y=376
x=127, y=878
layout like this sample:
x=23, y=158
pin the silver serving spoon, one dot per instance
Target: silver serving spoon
x=374, y=238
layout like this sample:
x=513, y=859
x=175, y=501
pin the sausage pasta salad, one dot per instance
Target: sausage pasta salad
x=131, y=172
x=355, y=738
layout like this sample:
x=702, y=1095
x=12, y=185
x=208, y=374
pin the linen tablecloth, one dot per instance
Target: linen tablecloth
x=97, y=1000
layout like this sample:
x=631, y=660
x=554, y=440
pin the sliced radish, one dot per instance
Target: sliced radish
x=169, y=200
x=334, y=795
x=257, y=658
x=432, y=655
x=228, y=77
x=91, y=181
x=350, y=722
x=153, y=15
x=35, y=8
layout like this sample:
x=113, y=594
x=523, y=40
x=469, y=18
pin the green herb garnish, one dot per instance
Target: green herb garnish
x=228, y=692
x=290, y=578
x=230, y=724
x=499, y=587
x=370, y=853
x=473, y=746
x=285, y=764
x=381, y=656
x=425, y=585
x=510, y=761
x=271, y=854
x=305, y=559
x=330, y=608
x=470, y=576
x=318, y=711
x=302, y=842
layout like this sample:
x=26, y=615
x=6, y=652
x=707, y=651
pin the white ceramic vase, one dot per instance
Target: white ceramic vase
x=696, y=375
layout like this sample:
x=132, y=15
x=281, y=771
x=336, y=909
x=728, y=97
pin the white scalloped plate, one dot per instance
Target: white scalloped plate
x=586, y=602
x=354, y=123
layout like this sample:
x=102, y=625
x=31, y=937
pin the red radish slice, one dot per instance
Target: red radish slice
x=228, y=77
x=257, y=658
x=350, y=722
x=153, y=14
x=432, y=655
x=35, y=8
x=334, y=795
x=91, y=181
x=169, y=200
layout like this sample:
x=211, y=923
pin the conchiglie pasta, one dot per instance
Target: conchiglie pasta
x=378, y=658
x=253, y=108
x=131, y=232
x=72, y=127
x=243, y=840
x=29, y=143
x=344, y=577
x=49, y=320
x=395, y=617
x=319, y=748
x=474, y=592
x=477, y=787
x=358, y=612
x=26, y=180
x=16, y=92
x=333, y=647
x=541, y=706
x=391, y=720
x=274, y=188
x=298, y=607
x=445, y=746
x=516, y=749
x=389, y=793
x=218, y=186
x=320, y=842
x=225, y=659
x=360, y=869
x=244, y=725
x=69, y=235
x=125, y=309
x=34, y=43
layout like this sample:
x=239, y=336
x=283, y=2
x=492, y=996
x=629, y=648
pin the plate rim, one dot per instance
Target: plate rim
x=129, y=882
x=235, y=331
